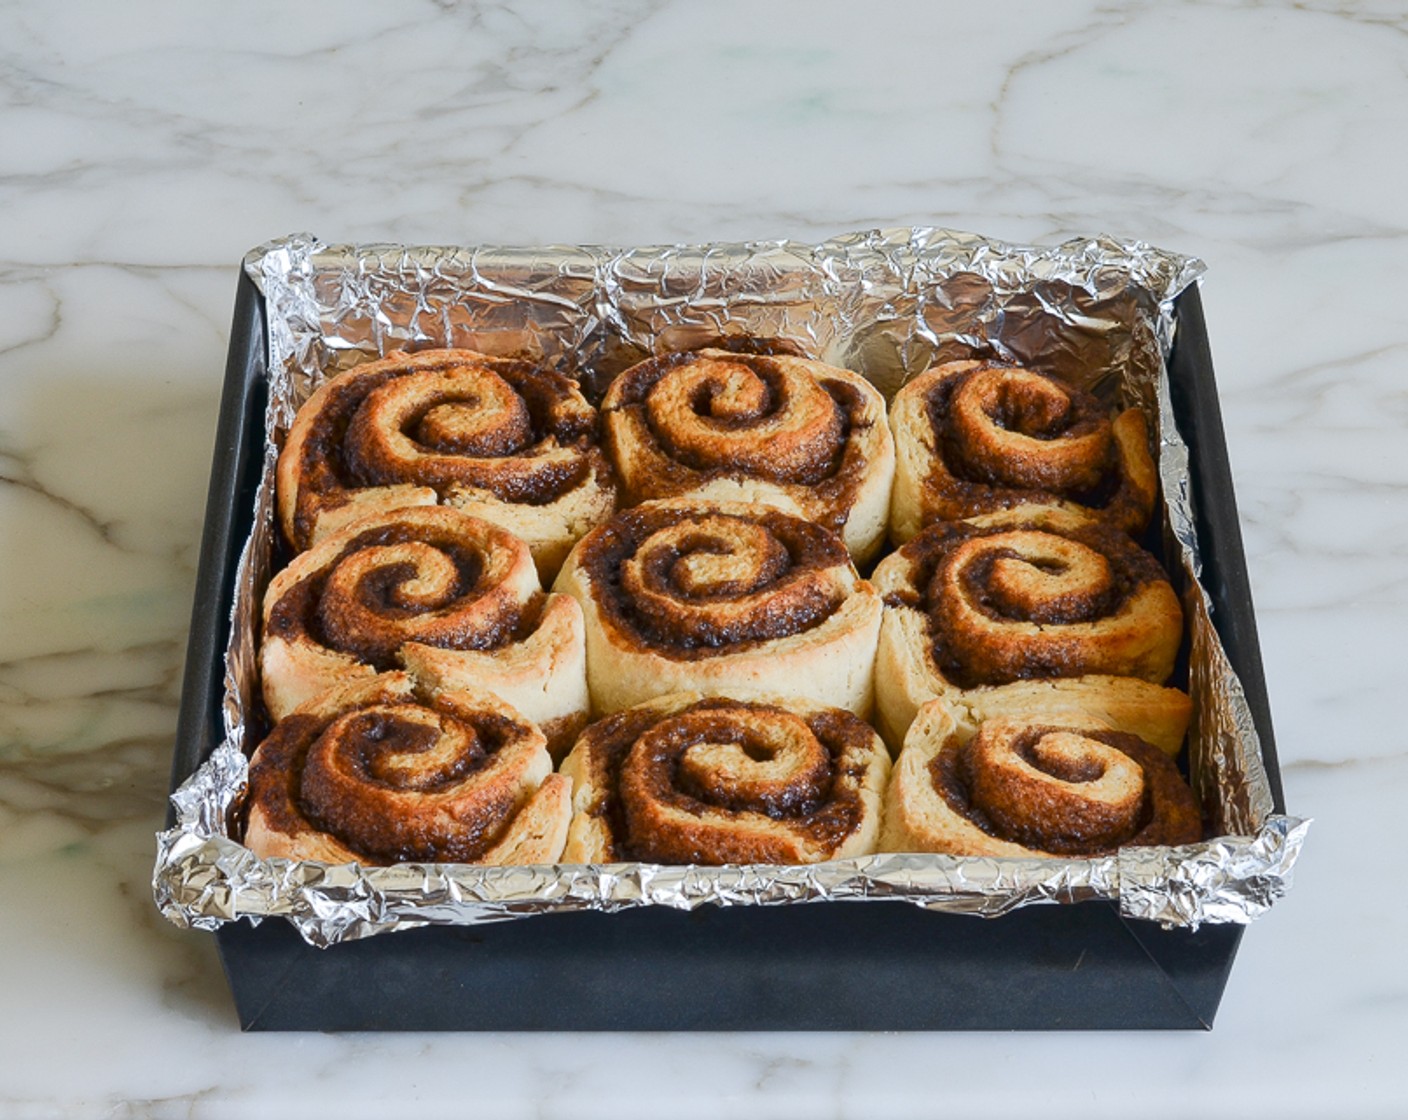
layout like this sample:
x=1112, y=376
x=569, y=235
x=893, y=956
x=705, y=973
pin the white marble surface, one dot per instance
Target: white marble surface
x=144, y=147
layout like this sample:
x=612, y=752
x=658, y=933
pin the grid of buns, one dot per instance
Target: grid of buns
x=515, y=628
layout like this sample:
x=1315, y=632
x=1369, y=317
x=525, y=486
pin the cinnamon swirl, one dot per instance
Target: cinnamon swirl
x=501, y=439
x=374, y=774
x=689, y=779
x=1035, y=787
x=1029, y=610
x=452, y=598
x=971, y=437
x=786, y=431
x=722, y=598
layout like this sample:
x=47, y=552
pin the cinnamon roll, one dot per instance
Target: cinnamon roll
x=786, y=431
x=722, y=598
x=690, y=779
x=1068, y=787
x=972, y=437
x=375, y=774
x=1029, y=610
x=504, y=440
x=452, y=598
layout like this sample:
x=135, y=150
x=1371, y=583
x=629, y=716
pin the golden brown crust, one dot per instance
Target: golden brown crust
x=1028, y=604
x=786, y=431
x=972, y=437
x=1032, y=787
x=511, y=442
x=721, y=598
x=448, y=596
x=689, y=779
x=374, y=773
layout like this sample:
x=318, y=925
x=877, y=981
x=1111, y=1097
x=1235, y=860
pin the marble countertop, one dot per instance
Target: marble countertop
x=148, y=146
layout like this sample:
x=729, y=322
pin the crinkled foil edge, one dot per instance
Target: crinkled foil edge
x=894, y=300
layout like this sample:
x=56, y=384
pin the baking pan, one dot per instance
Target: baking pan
x=812, y=966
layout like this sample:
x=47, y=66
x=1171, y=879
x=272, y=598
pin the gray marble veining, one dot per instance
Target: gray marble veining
x=148, y=146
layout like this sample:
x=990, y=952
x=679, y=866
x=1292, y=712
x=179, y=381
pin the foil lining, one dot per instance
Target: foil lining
x=887, y=303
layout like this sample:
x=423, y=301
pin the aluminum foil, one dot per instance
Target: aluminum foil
x=887, y=303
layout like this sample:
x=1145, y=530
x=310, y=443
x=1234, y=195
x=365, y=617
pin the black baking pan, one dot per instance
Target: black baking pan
x=813, y=966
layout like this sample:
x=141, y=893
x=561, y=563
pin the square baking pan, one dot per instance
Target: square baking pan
x=878, y=965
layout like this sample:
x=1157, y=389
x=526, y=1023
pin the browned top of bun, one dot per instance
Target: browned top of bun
x=673, y=789
x=440, y=419
x=1019, y=597
x=691, y=578
x=1028, y=783
x=676, y=422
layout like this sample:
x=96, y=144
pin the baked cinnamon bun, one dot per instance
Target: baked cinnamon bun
x=1029, y=610
x=502, y=439
x=782, y=430
x=452, y=598
x=1038, y=786
x=722, y=598
x=374, y=773
x=972, y=437
x=691, y=779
